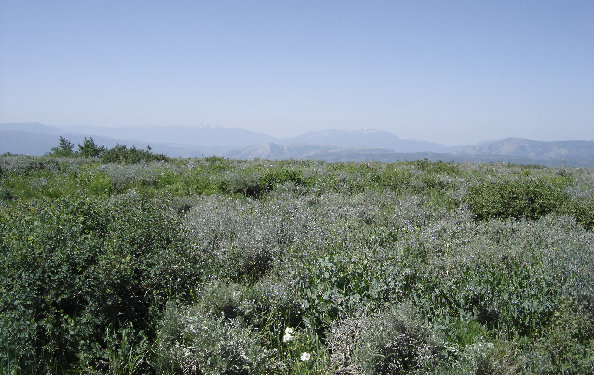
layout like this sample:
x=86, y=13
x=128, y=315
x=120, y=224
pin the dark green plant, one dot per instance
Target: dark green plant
x=123, y=154
x=517, y=198
x=65, y=148
x=127, y=351
x=569, y=343
x=582, y=210
x=89, y=149
x=273, y=176
x=70, y=268
x=6, y=194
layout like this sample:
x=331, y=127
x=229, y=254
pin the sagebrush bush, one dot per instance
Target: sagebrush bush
x=393, y=341
x=191, y=342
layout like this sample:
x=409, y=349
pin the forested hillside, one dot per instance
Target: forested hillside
x=140, y=265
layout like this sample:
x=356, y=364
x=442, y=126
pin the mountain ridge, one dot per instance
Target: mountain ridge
x=330, y=145
x=527, y=148
x=364, y=138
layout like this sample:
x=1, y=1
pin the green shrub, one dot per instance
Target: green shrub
x=569, y=343
x=275, y=176
x=116, y=154
x=582, y=210
x=437, y=167
x=394, y=178
x=6, y=194
x=65, y=148
x=244, y=183
x=518, y=198
x=100, y=184
x=123, y=154
x=72, y=267
x=127, y=352
x=89, y=149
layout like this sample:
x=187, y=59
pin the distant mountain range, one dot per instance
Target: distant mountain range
x=367, y=138
x=329, y=145
x=205, y=136
x=536, y=150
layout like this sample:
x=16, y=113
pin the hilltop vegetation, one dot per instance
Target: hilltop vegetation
x=216, y=266
x=117, y=154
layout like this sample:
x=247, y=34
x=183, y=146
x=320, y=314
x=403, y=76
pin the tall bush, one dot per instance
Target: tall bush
x=70, y=268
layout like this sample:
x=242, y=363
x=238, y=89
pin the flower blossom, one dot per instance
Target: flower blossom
x=288, y=335
x=305, y=356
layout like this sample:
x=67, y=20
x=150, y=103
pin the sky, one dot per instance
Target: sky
x=451, y=72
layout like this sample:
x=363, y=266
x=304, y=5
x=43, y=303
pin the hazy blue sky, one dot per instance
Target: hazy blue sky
x=444, y=71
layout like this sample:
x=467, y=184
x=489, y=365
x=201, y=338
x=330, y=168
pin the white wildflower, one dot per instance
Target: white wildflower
x=305, y=356
x=288, y=337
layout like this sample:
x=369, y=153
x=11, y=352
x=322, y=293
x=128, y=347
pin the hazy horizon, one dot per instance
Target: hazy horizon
x=452, y=73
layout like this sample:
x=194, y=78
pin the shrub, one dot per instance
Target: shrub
x=528, y=198
x=116, y=154
x=239, y=245
x=6, y=194
x=127, y=352
x=394, y=341
x=190, y=342
x=568, y=344
x=132, y=155
x=245, y=184
x=582, y=210
x=89, y=149
x=65, y=148
x=274, y=176
x=72, y=267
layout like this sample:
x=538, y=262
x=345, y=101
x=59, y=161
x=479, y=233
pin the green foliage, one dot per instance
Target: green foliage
x=518, y=198
x=65, y=148
x=582, y=210
x=127, y=353
x=569, y=342
x=116, y=154
x=70, y=268
x=109, y=265
x=256, y=181
x=122, y=154
x=89, y=149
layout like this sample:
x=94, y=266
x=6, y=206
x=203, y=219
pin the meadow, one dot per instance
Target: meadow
x=152, y=265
